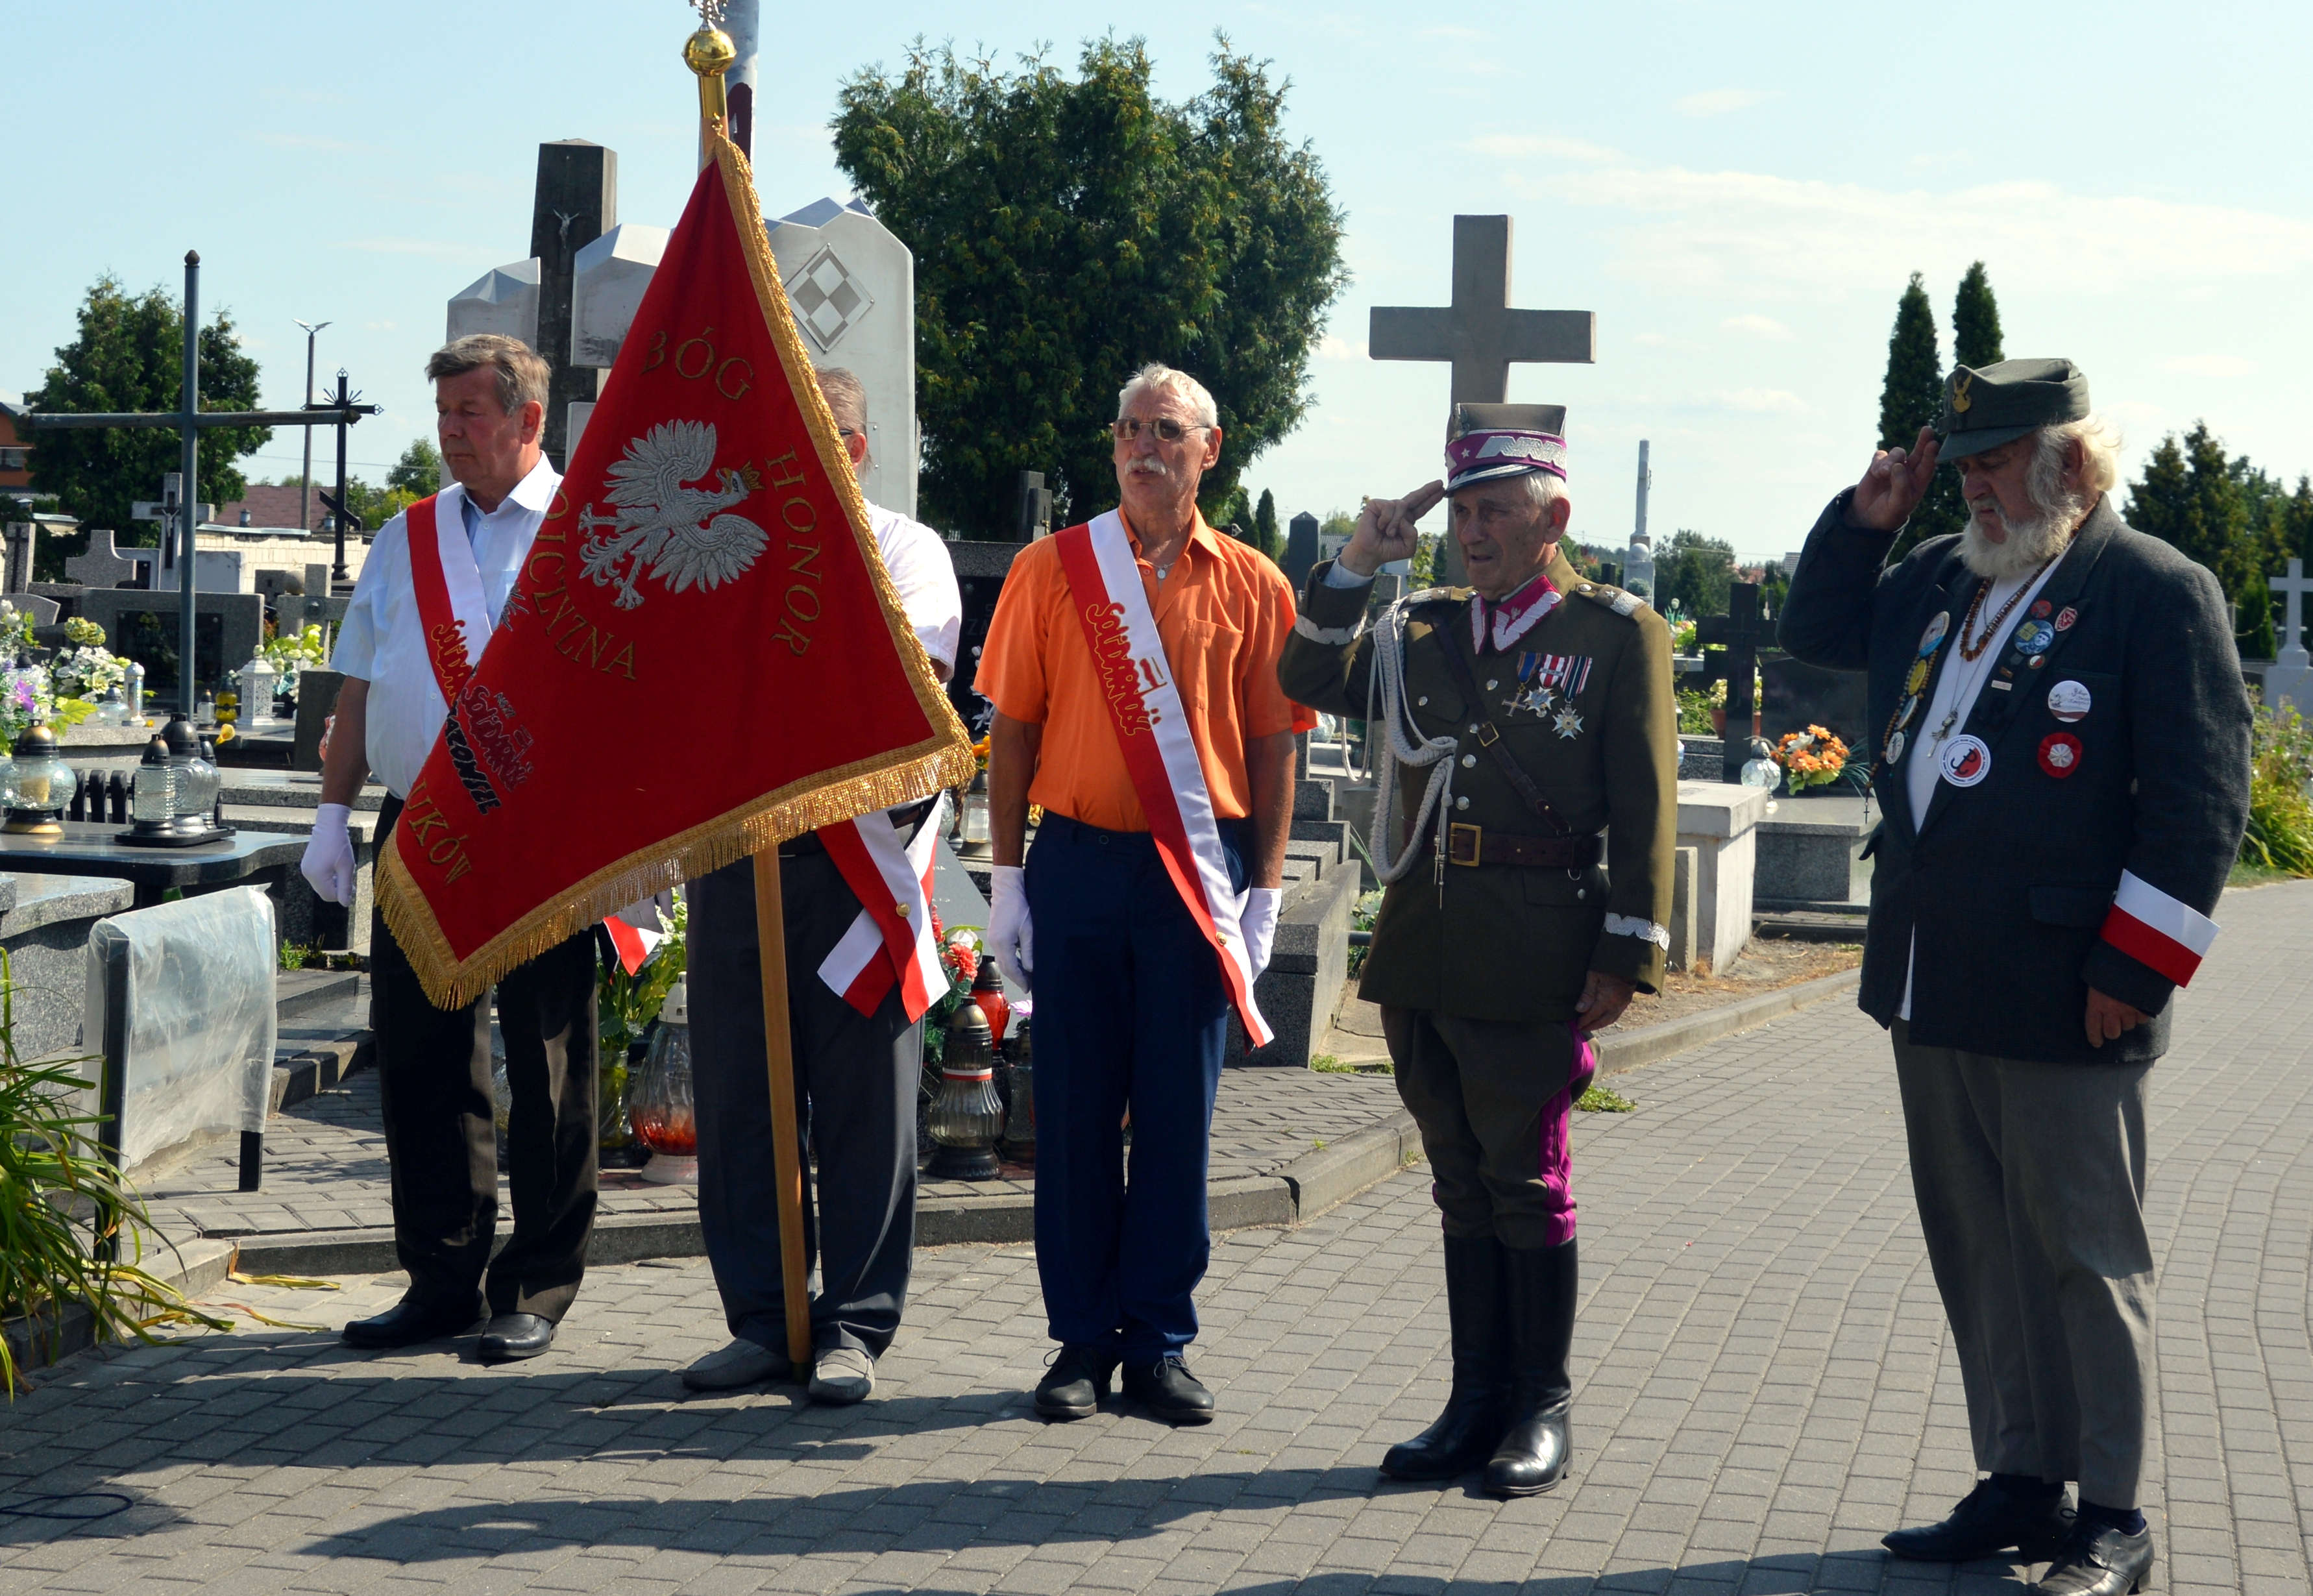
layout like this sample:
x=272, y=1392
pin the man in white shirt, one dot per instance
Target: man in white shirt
x=434, y=1065
x=856, y=1074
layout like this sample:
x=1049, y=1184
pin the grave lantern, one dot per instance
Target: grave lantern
x=661, y=1106
x=972, y=838
x=967, y=1117
x=36, y=784
x=1020, y=1119
x=174, y=798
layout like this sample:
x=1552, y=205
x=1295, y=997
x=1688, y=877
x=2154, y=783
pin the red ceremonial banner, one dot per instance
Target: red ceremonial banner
x=703, y=655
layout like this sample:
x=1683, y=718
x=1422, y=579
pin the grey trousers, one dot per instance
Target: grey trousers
x=856, y=1084
x=2030, y=1181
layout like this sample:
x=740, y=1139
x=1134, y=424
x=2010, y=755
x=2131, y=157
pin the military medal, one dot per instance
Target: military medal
x=1568, y=724
x=2059, y=754
x=2070, y=702
x=1965, y=760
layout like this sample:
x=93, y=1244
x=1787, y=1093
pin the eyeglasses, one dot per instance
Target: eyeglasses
x=1167, y=429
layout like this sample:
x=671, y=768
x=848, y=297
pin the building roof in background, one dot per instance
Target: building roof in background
x=272, y=507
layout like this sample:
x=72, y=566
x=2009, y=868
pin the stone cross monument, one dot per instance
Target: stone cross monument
x=2290, y=681
x=1480, y=334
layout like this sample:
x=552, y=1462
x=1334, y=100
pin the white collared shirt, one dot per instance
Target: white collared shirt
x=925, y=576
x=384, y=643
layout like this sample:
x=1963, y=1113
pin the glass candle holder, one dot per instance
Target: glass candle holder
x=968, y=1116
x=660, y=1102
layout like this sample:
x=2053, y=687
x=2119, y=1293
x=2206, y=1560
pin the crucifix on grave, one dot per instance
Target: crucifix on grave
x=2290, y=681
x=1731, y=644
x=188, y=421
x=1480, y=334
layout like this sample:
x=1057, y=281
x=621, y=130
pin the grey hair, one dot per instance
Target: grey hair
x=1162, y=378
x=1542, y=489
x=523, y=376
x=845, y=395
x=2043, y=477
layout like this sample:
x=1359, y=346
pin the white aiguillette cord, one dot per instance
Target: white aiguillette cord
x=1405, y=742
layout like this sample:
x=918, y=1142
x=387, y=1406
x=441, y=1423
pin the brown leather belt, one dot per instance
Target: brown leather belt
x=1474, y=845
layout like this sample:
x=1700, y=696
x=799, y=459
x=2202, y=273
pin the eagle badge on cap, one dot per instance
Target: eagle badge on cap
x=1960, y=384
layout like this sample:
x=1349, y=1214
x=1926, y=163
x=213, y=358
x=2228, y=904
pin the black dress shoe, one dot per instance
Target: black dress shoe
x=1989, y=1519
x=2099, y=1560
x=1075, y=1383
x=1168, y=1390
x=410, y=1321
x=514, y=1335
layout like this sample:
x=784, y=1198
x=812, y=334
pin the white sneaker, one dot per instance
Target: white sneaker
x=841, y=1376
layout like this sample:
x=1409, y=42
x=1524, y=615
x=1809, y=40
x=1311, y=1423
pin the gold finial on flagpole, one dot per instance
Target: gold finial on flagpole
x=709, y=53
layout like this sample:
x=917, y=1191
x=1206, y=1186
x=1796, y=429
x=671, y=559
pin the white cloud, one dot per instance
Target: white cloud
x=1718, y=102
x=1757, y=326
x=1329, y=347
x=2210, y=365
x=1744, y=231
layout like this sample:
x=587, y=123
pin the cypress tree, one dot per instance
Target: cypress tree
x=1914, y=393
x=1976, y=320
x=1264, y=526
x=1913, y=397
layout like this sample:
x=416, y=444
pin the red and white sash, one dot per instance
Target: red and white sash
x=451, y=609
x=1160, y=755
x=892, y=939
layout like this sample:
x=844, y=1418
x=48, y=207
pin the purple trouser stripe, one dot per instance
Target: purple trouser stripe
x=1555, y=1156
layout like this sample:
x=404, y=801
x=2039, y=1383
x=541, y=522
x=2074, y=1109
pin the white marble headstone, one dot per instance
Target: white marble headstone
x=607, y=282
x=853, y=287
x=502, y=300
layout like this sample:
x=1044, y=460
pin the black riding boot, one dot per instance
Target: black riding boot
x=1543, y=1287
x=1478, y=1411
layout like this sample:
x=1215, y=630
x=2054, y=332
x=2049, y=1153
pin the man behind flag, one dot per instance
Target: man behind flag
x=709, y=531
x=429, y=595
x=1132, y=662
x=861, y=970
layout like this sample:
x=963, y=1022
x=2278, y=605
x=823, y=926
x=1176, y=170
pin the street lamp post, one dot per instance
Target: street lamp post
x=305, y=482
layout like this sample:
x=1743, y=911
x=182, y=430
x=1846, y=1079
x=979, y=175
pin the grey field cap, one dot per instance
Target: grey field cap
x=1985, y=407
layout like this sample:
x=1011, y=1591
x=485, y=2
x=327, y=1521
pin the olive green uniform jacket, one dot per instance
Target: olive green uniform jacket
x=1513, y=942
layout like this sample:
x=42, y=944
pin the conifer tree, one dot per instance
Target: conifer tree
x=1913, y=397
x=1265, y=537
x=1976, y=320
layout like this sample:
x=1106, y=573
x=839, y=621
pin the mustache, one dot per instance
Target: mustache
x=1148, y=466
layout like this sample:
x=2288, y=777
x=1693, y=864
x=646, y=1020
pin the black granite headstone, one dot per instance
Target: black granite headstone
x=577, y=202
x=1300, y=548
x=1798, y=695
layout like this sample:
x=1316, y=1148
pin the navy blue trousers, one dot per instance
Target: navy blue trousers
x=1131, y=1012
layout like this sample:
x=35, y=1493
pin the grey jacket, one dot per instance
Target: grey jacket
x=2008, y=883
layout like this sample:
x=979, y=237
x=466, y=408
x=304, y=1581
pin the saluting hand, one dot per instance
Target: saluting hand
x=1385, y=529
x=1893, y=483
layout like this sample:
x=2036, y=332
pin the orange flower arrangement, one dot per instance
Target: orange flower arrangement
x=1810, y=758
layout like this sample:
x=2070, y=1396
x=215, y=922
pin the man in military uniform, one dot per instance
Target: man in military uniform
x=2063, y=747
x=1525, y=714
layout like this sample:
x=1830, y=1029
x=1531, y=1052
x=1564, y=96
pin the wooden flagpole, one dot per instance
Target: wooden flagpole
x=709, y=53
x=786, y=1143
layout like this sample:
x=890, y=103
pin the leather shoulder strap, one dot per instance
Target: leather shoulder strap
x=1490, y=737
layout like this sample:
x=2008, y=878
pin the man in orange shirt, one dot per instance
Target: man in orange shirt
x=1132, y=662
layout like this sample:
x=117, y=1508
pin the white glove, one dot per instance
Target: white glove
x=328, y=861
x=1011, y=940
x=1257, y=923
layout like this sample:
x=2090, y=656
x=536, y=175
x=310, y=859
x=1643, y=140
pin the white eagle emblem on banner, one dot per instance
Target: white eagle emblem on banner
x=683, y=536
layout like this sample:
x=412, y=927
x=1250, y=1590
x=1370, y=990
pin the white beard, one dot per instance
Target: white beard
x=2029, y=545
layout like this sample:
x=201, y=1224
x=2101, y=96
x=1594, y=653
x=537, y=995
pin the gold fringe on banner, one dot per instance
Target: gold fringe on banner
x=902, y=776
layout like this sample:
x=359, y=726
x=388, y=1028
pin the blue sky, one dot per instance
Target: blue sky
x=1739, y=192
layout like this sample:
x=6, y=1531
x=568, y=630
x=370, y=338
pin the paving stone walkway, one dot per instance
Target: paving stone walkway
x=325, y=1165
x=1764, y=1386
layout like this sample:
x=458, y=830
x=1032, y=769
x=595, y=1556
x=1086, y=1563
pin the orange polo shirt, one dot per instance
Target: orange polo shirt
x=1223, y=615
